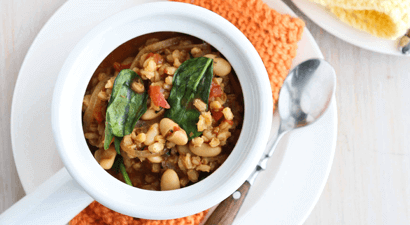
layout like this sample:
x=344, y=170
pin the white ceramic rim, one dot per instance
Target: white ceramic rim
x=112, y=32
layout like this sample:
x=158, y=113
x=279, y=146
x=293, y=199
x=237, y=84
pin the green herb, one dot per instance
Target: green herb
x=192, y=80
x=124, y=112
x=117, y=142
x=125, y=107
x=124, y=77
x=119, y=166
x=117, y=163
x=108, y=133
x=125, y=174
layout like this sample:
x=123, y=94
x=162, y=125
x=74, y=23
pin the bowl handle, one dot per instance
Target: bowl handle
x=56, y=201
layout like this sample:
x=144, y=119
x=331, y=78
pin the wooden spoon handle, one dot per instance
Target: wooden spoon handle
x=226, y=211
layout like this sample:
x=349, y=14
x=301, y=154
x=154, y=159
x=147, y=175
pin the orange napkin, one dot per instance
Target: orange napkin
x=97, y=214
x=274, y=36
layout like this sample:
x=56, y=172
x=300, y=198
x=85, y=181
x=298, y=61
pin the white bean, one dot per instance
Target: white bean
x=155, y=159
x=105, y=157
x=205, y=150
x=221, y=67
x=166, y=125
x=151, y=114
x=150, y=135
x=169, y=180
x=178, y=137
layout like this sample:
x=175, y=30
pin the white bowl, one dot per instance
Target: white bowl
x=102, y=40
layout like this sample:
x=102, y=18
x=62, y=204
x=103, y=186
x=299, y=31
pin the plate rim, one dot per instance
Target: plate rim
x=327, y=25
x=18, y=83
x=27, y=57
x=330, y=163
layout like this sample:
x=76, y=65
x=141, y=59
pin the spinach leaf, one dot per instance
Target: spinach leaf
x=108, y=133
x=119, y=166
x=117, y=142
x=192, y=80
x=125, y=174
x=125, y=107
x=117, y=162
x=124, y=77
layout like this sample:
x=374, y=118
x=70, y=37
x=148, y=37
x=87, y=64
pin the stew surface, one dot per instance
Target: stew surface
x=162, y=111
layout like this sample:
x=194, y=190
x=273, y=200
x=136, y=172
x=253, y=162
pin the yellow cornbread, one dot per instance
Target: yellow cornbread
x=382, y=18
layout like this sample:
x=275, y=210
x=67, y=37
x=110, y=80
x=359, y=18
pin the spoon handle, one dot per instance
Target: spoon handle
x=226, y=211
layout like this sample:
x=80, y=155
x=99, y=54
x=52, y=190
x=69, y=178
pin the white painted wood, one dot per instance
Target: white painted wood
x=370, y=178
x=20, y=21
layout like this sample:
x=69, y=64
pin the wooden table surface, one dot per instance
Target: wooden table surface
x=370, y=178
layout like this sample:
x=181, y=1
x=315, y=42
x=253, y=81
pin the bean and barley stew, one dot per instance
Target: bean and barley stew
x=162, y=111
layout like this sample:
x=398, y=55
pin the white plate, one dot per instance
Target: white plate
x=300, y=166
x=333, y=25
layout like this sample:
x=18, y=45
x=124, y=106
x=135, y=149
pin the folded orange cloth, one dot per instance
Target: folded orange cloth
x=274, y=36
x=97, y=214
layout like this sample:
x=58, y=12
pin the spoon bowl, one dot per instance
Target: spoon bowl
x=306, y=93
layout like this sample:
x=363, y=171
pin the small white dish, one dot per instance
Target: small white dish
x=325, y=19
x=288, y=189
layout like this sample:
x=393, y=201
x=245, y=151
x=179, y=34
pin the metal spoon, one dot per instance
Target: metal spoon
x=304, y=97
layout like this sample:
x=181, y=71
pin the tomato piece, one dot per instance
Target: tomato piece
x=157, y=97
x=217, y=114
x=157, y=57
x=98, y=113
x=119, y=66
x=216, y=90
